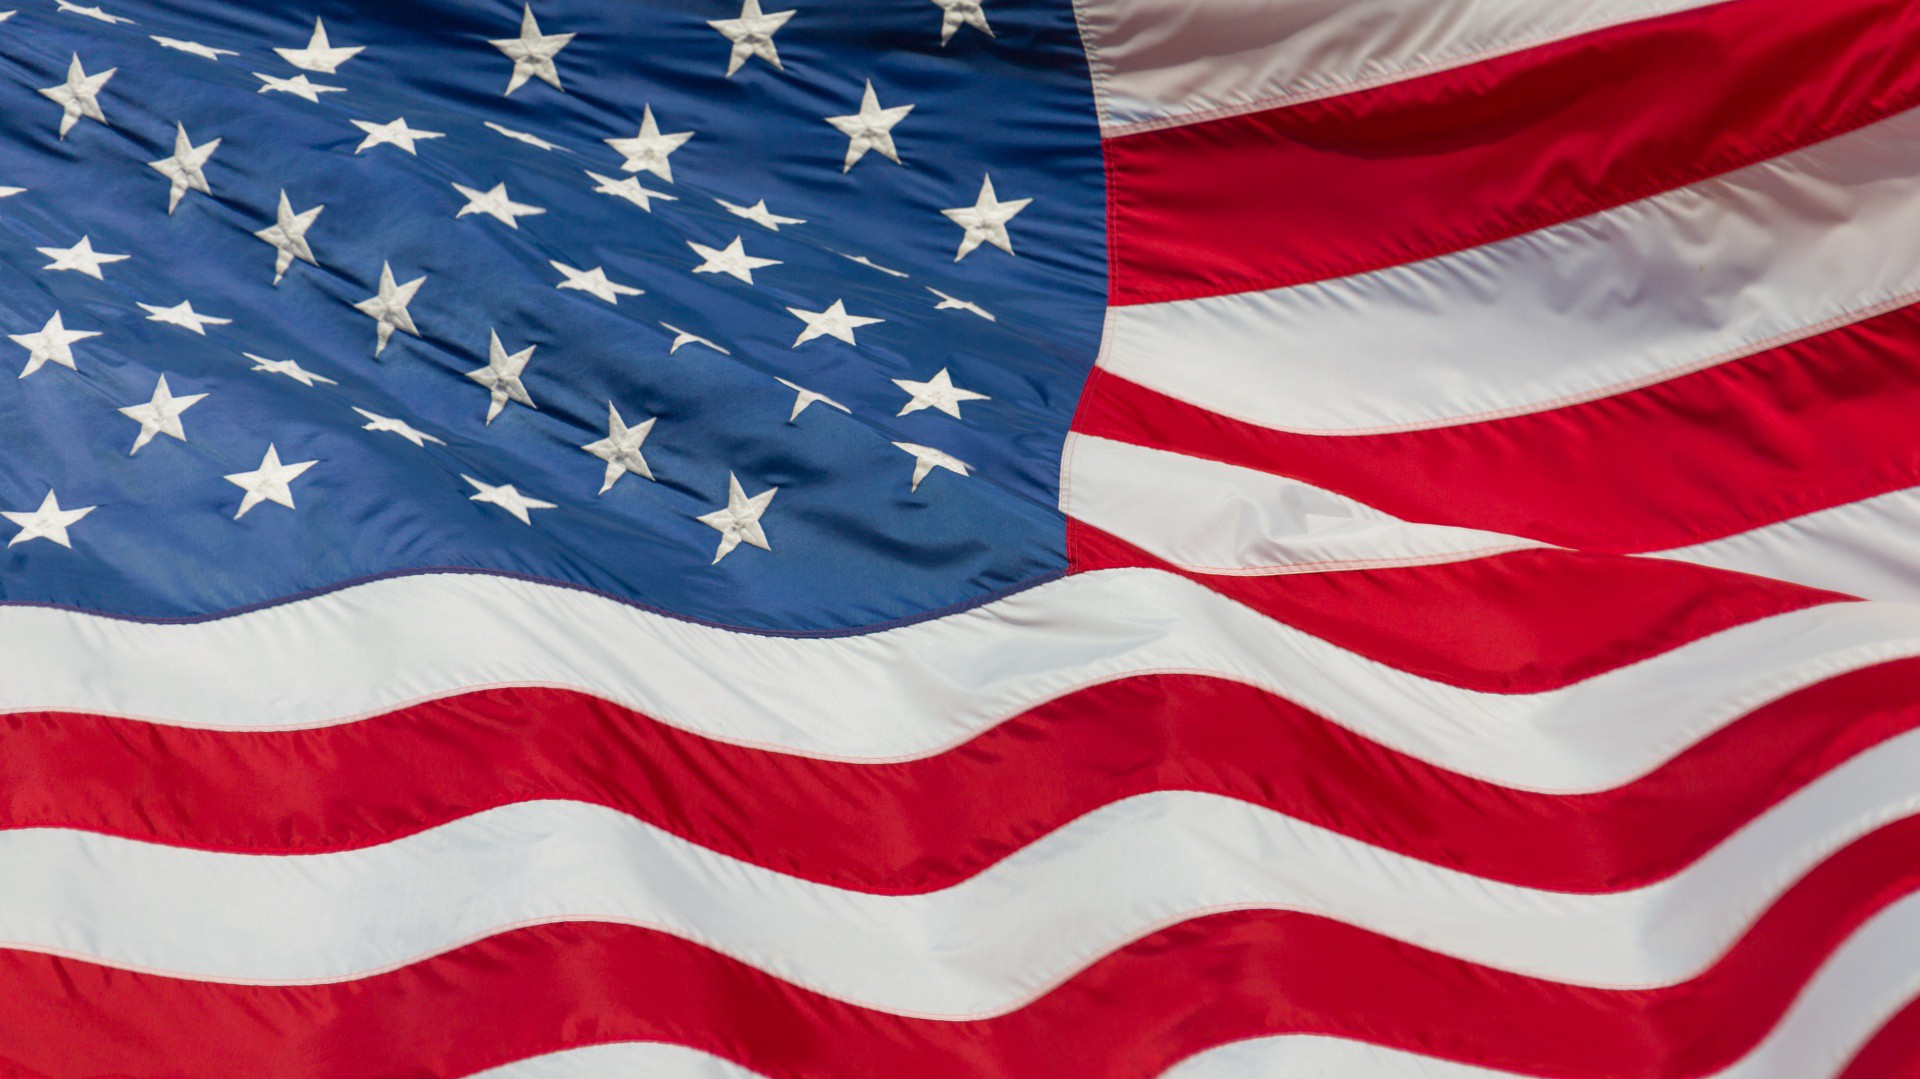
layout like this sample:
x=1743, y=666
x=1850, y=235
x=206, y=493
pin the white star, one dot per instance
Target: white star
x=731, y=260
x=682, y=337
x=870, y=129
x=80, y=258
x=986, y=221
x=521, y=136
x=299, y=86
x=183, y=316
x=288, y=235
x=803, y=398
x=495, y=204
x=5, y=15
x=958, y=13
x=49, y=522
x=501, y=375
x=79, y=96
x=739, y=522
x=9, y=192
x=508, y=498
x=402, y=428
x=289, y=368
x=937, y=392
x=268, y=483
x=52, y=344
x=161, y=415
x=648, y=151
x=532, y=53
x=833, y=322
x=629, y=188
x=752, y=35
x=760, y=215
x=871, y=265
x=319, y=55
x=393, y=133
x=186, y=169
x=389, y=308
x=91, y=12
x=193, y=47
x=926, y=459
x=952, y=303
x=621, y=449
x=593, y=282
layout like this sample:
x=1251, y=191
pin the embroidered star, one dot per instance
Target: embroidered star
x=80, y=258
x=186, y=169
x=299, y=86
x=377, y=422
x=986, y=221
x=926, y=459
x=52, y=344
x=594, y=282
x=648, y=151
x=193, y=47
x=319, y=55
x=508, y=498
x=803, y=398
x=752, y=35
x=289, y=368
x=871, y=265
x=268, y=483
x=393, y=133
x=621, y=448
x=79, y=96
x=760, y=215
x=160, y=415
x=288, y=235
x=958, y=13
x=495, y=204
x=952, y=303
x=389, y=308
x=682, y=337
x=182, y=315
x=937, y=392
x=731, y=260
x=629, y=188
x=870, y=129
x=739, y=522
x=49, y=522
x=501, y=376
x=532, y=53
x=521, y=136
x=833, y=322
x=92, y=11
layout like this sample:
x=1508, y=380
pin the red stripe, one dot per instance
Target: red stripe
x=1522, y=622
x=1894, y=1053
x=1177, y=992
x=1493, y=149
x=929, y=824
x=1796, y=429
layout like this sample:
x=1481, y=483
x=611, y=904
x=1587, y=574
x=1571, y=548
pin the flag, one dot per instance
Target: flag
x=976, y=538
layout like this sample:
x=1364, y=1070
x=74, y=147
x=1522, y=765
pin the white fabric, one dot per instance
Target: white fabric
x=1157, y=62
x=1685, y=280
x=924, y=688
x=1218, y=518
x=1869, y=548
x=621, y=1060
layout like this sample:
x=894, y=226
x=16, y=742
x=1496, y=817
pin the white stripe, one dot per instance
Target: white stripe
x=1181, y=61
x=1869, y=548
x=621, y=1060
x=985, y=946
x=1217, y=518
x=922, y=688
x=1633, y=295
x=1863, y=985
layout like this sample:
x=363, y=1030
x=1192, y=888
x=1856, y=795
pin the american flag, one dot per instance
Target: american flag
x=974, y=538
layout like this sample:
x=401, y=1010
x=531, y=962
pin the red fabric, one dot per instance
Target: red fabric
x=1489, y=150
